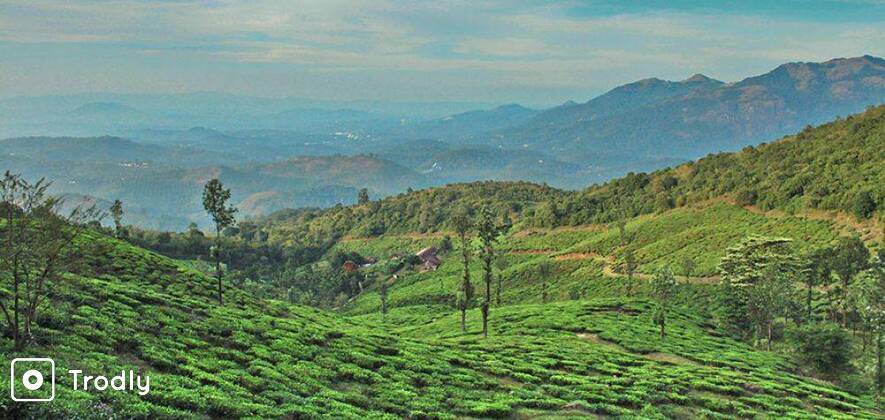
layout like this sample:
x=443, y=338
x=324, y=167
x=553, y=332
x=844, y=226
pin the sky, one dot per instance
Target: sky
x=498, y=51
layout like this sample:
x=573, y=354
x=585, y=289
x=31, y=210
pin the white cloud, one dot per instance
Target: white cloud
x=458, y=42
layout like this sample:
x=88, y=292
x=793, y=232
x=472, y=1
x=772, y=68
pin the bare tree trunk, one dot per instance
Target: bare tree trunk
x=488, y=280
x=769, y=335
x=662, y=329
x=810, y=290
x=485, y=319
x=880, y=377
x=865, y=336
x=218, y=265
x=463, y=320
x=498, y=291
x=16, y=333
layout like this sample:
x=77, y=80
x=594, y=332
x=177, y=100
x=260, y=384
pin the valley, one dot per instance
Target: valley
x=153, y=151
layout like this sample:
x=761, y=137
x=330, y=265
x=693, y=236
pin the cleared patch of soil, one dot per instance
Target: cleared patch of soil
x=530, y=251
x=593, y=338
x=669, y=358
x=576, y=256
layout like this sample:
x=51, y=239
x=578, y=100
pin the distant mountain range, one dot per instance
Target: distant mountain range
x=654, y=119
x=278, y=153
x=117, y=114
x=649, y=124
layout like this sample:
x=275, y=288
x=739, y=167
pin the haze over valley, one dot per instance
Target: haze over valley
x=156, y=151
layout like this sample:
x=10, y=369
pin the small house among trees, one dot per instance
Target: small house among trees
x=350, y=267
x=429, y=259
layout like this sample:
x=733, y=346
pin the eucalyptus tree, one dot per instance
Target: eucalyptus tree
x=382, y=292
x=463, y=225
x=868, y=297
x=850, y=256
x=664, y=288
x=117, y=214
x=757, y=281
x=545, y=270
x=488, y=231
x=215, y=201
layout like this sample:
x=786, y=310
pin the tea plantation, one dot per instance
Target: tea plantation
x=597, y=354
x=574, y=313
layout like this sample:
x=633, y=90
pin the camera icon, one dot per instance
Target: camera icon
x=32, y=379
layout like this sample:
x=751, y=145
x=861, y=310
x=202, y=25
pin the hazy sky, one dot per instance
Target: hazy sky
x=533, y=52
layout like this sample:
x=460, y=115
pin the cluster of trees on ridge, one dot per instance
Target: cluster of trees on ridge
x=833, y=167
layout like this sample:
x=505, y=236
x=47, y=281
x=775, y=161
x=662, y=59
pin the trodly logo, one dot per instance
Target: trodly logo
x=32, y=379
x=125, y=381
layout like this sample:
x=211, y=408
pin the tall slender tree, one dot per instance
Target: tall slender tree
x=663, y=290
x=868, y=297
x=463, y=225
x=117, y=214
x=382, y=292
x=488, y=235
x=215, y=201
x=545, y=270
x=850, y=256
x=363, y=196
x=630, y=269
x=629, y=255
x=819, y=269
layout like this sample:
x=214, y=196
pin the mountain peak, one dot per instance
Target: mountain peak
x=698, y=77
x=835, y=62
x=864, y=59
x=649, y=81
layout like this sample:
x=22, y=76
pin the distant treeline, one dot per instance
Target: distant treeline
x=836, y=167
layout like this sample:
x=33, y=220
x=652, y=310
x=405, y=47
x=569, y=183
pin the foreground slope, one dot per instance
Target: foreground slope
x=130, y=309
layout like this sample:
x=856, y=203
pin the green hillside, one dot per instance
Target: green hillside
x=586, y=258
x=573, y=315
x=836, y=167
x=126, y=308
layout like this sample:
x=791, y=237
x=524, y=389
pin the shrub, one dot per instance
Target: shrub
x=824, y=348
x=864, y=205
x=746, y=197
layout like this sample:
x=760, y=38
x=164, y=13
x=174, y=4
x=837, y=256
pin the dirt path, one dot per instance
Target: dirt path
x=577, y=256
x=656, y=356
x=608, y=269
x=531, y=251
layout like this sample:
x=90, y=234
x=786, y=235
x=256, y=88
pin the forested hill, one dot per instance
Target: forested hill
x=834, y=167
x=414, y=211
